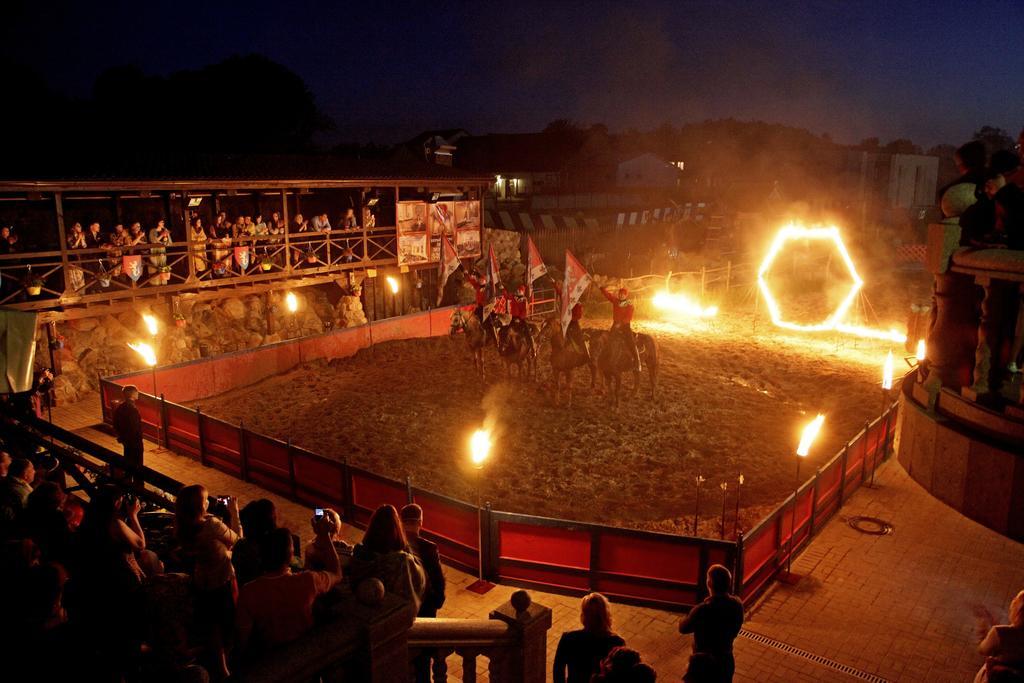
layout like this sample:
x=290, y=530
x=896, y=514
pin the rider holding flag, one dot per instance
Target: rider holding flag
x=479, y=283
x=622, y=318
x=517, y=307
x=574, y=334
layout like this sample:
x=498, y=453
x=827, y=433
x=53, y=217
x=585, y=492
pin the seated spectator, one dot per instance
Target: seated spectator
x=580, y=653
x=73, y=513
x=258, y=519
x=321, y=223
x=43, y=521
x=135, y=234
x=260, y=228
x=314, y=558
x=277, y=608
x=1003, y=646
x=206, y=544
x=15, y=489
x=94, y=237
x=41, y=634
x=5, y=463
x=384, y=554
x=716, y=622
x=970, y=164
x=169, y=622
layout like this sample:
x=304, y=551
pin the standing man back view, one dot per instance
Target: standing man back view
x=716, y=622
x=433, y=596
x=128, y=427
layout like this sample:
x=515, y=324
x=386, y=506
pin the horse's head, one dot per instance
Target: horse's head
x=457, y=322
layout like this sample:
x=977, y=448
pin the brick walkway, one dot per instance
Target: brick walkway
x=898, y=607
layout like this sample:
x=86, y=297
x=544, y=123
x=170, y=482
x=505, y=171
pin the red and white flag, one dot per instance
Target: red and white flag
x=449, y=264
x=493, y=280
x=535, y=267
x=577, y=279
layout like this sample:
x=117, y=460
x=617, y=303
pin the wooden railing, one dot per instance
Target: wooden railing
x=513, y=641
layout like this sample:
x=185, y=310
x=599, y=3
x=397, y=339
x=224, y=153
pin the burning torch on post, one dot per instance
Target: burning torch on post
x=806, y=439
x=148, y=355
x=479, y=449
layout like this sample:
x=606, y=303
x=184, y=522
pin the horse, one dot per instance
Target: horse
x=477, y=338
x=516, y=350
x=565, y=359
x=614, y=358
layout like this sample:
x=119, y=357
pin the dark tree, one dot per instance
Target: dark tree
x=995, y=139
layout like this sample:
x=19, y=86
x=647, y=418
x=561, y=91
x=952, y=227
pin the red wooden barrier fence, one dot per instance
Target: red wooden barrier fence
x=642, y=567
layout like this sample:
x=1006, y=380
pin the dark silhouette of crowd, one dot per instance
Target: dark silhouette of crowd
x=991, y=187
x=99, y=586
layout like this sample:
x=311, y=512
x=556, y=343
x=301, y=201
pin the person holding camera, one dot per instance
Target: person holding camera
x=314, y=552
x=159, y=236
x=206, y=543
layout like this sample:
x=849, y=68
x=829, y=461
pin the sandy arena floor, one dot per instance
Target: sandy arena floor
x=731, y=400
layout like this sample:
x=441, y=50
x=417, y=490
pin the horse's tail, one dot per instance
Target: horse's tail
x=646, y=341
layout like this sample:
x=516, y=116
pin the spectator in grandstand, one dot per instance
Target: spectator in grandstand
x=94, y=237
x=970, y=164
x=160, y=237
x=220, y=246
x=135, y=234
x=5, y=234
x=73, y=513
x=314, y=555
x=43, y=521
x=1003, y=645
x=1008, y=200
x=384, y=554
x=580, y=653
x=260, y=227
x=108, y=576
x=39, y=625
x=321, y=223
x=258, y=519
x=15, y=489
x=5, y=462
x=349, y=221
x=12, y=242
x=128, y=427
x=277, y=224
x=206, y=544
x=76, y=237
x=197, y=249
x=277, y=607
x=716, y=622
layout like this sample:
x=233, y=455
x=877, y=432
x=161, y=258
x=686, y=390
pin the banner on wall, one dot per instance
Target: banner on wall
x=467, y=225
x=411, y=220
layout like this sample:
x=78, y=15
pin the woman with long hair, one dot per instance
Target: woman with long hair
x=1003, y=646
x=579, y=653
x=384, y=554
x=206, y=544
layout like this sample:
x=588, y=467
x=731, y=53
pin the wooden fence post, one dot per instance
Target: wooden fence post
x=202, y=440
x=814, y=503
x=737, y=576
x=291, y=469
x=347, y=499
x=842, y=473
x=243, y=451
x=702, y=570
x=408, y=489
x=864, y=460
x=487, y=569
x=163, y=421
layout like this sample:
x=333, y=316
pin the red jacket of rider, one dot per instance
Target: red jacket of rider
x=481, y=290
x=517, y=307
x=622, y=311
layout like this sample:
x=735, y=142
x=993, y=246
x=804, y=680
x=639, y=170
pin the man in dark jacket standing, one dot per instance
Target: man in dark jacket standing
x=128, y=427
x=433, y=596
x=716, y=622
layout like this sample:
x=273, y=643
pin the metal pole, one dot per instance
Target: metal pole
x=736, y=522
x=792, y=528
x=696, y=509
x=874, y=456
x=154, y=381
x=480, y=522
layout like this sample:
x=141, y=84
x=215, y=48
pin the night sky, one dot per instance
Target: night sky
x=931, y=71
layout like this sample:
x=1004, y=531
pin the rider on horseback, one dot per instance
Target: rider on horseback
x=622, y=318
x=573, y=333
x=479, y=283
x=518, y=308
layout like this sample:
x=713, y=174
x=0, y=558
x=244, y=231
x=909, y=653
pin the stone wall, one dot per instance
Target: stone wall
x=99, y=346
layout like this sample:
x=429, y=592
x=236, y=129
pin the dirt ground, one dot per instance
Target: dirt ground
x=733, y=396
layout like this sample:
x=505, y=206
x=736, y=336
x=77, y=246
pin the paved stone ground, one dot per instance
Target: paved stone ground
x=898, y=607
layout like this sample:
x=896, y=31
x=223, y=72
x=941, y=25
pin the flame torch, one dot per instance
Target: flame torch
x=148, y=355
x=479, y=449
x=803, y=448
x=291, y=302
